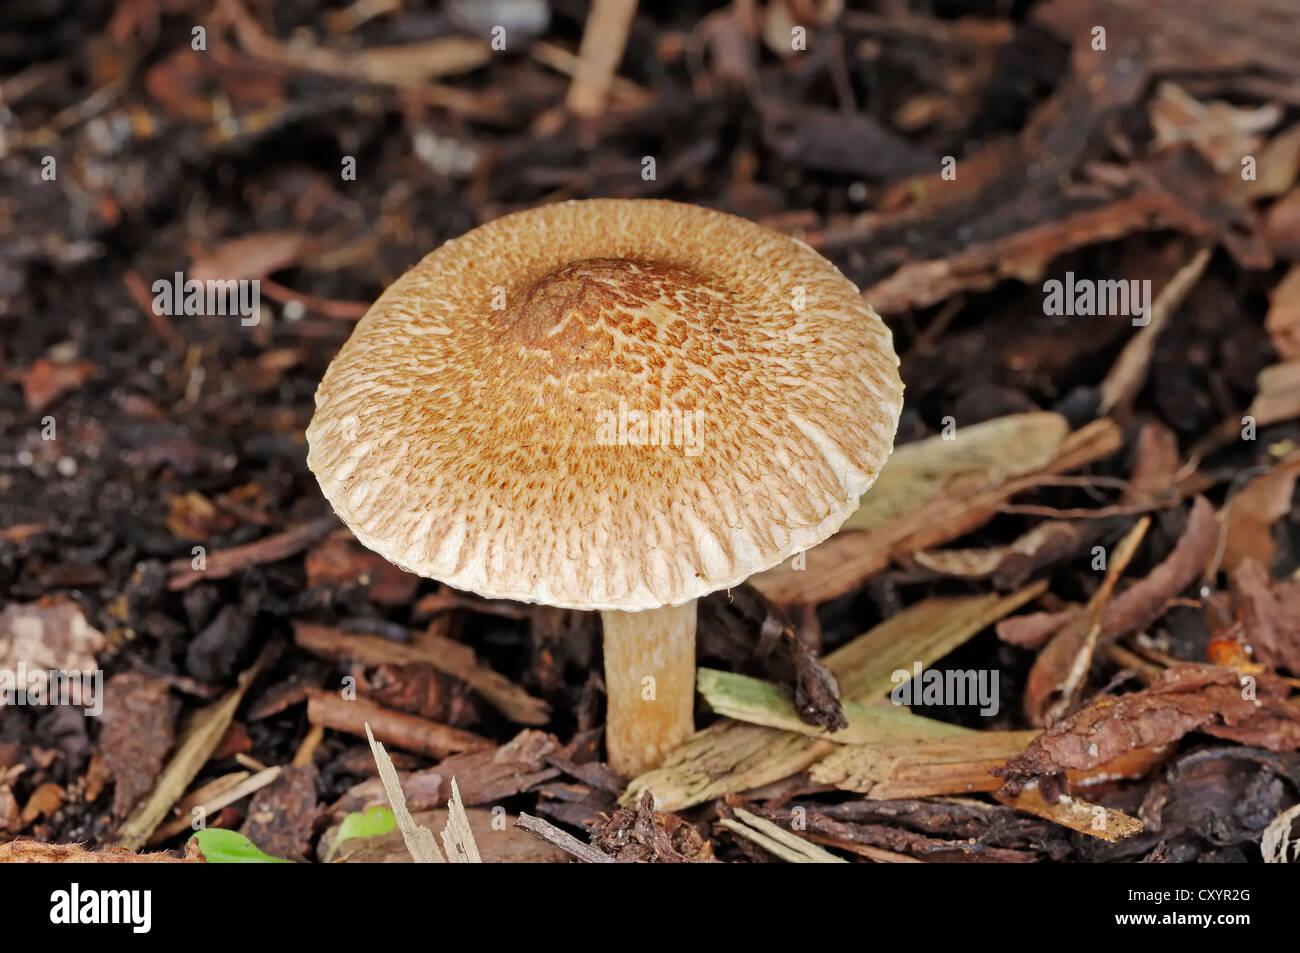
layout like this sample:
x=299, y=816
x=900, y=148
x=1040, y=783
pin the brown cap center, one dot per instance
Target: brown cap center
x=586, y=305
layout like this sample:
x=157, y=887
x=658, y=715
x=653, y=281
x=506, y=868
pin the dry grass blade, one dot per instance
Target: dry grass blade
x=778, y=841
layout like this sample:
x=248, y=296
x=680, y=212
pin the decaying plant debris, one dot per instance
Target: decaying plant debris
x=1148, y=696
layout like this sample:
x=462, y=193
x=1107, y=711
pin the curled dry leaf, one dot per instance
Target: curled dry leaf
x=1181, y=699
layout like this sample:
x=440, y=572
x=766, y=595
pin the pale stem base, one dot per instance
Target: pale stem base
x=650, y=679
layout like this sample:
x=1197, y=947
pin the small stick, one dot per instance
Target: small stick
x=603, y=40
x=548, y=832
x=408, y=732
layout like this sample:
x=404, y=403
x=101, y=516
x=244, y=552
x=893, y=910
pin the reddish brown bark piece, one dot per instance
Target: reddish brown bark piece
x=341, y=562
x=1182, y=699
x=409, y=732
x=270, y=549
x=139, y=727
x=1269, y=611
x=484, y=777
x=280, y=818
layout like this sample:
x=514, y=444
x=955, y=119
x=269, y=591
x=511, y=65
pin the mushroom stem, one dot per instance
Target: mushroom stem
x=650, y=683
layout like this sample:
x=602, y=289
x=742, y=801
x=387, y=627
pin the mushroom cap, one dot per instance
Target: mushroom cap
x=607, y=404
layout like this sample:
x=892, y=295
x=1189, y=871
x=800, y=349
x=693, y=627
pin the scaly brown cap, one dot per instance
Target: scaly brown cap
x=607, y=404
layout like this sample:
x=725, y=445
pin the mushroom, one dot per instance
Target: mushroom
x=611, y=405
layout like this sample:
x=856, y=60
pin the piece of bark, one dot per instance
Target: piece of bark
x=1094, y=820
x=408, y=732
x=1181, y=699
x=343, y=562
x=1252, y=511
x=227, y=562
x=1269, y=611
x=562, y=839
x=139, y=725
x=484, y=777
x=204, y=731
x=281, y=815
x=448, y=656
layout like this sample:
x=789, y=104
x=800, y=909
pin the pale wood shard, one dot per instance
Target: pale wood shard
x=446, y=655
x=965, y=496
x=962, y=765
x=1094, y=820
x=457, y=838
x=777, y=840
x=978, y=457
x=731, y=756
x=419, y=839
x=947, y=766
x=212, y=798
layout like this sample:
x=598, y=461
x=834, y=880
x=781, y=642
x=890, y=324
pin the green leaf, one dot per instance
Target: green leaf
x=368, y=823
x=230, y=847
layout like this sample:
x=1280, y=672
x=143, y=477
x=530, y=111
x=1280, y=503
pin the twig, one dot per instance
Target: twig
x=408, y=732
x=603, y=40
x=551, y=834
